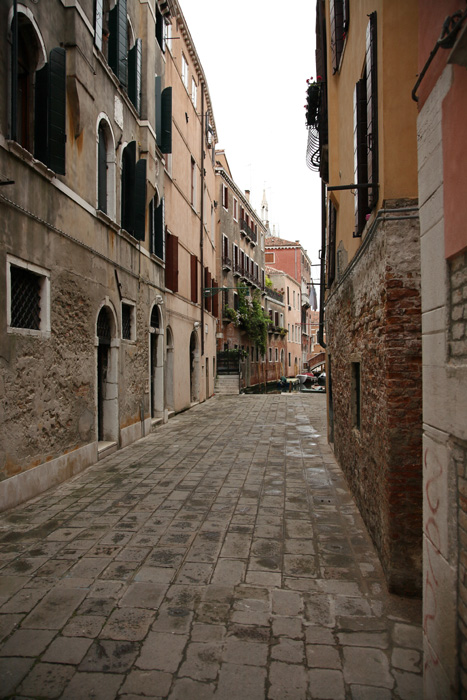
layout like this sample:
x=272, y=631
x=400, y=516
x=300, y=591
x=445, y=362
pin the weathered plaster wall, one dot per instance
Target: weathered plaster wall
x=373, y=318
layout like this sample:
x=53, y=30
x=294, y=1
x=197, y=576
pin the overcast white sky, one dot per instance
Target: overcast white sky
x=257, y=55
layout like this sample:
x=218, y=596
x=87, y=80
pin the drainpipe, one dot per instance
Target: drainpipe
x=14, y=73
x=201, y=227
x=323, y=266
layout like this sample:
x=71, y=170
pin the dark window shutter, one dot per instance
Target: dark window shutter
x=140, y=200
x=337, y=32
x=166, y=121
x=158, y=123
x=128, y=187
x=332, y=223
x=102, y=172
x=194, y=278
x=98, y=22
x=346, y=15
x=118, y=41
x=372, y=107
x=215, y=300
x=40, y=114
x=57, y=110
x=159, y=28
x=171, y=265
x=207, y=283
x=360, y=145
x=159, y=230
x=135, y=60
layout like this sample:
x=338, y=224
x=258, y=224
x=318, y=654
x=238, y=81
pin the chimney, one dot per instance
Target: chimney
x=247, y=194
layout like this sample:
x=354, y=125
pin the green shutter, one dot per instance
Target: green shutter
x=158, y=122
x=102, y=172
x=128, y=187
x=140, y=200
x=135, y=58
x=166, y=121
x=40, y=114
x=372, y=108
x=57, y=111
x=118, y=41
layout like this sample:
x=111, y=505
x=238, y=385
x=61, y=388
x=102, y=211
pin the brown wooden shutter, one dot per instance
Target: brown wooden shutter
x=372, y=107
x=207, y=283
x=194, y=279
x=171, y=264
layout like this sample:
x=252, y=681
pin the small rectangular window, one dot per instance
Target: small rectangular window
x=194, y=92
x=225, y=197
x=128, y=321
x=193, y=184
x=28, y=297
x=235, y=209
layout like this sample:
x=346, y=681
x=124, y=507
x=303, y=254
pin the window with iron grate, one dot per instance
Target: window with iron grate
x=127, y=312
x=25, y=299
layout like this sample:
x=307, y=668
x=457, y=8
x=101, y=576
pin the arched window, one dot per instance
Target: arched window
x=105, y=168
x=28, y=56
x=102, y=169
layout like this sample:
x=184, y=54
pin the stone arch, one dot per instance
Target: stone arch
x=106, y=342
x=169, y=370
x=156, y=362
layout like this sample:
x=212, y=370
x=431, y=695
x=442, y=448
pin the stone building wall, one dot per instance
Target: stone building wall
x=373, y=326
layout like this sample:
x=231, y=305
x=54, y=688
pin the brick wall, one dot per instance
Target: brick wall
x=374, y=320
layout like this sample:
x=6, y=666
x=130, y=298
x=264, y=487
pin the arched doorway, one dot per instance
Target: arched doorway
x=156, y=360
x=194, y=368
x=169, y=370
x=107, y=394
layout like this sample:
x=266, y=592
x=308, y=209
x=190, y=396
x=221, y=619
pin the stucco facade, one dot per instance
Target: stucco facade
x=442, y=158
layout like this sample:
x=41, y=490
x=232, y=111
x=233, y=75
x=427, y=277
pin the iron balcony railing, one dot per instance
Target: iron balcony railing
x=248, y=231
x=273, y=294
x=226, y=262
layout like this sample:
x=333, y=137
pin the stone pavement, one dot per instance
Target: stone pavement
x=220, y=557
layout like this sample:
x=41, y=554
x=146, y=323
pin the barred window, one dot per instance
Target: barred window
x=28, y=296
x=25, y=299
x=127, y=312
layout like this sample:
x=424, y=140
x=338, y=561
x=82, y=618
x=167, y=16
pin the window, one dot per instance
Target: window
x=168, y=36
x=194, y=92
x=38, y=97
x=160, y=33
x=118, y=42
x=184, y=71
x=235, y=296
x=235, y=209
x=277, y=354
x=331, y=252
x=135, y=59
x=290, y=360
x=194, y=278
x=294, y=299
x=102, y=168
x=163, y=116
x=355, y=394
x=336, y=9
x=128, y=330
x=193, y=184
x=270, y=354
x=366, y=131
x=235, y=257
x=269, y=258
x=225, y=197
x=157, y=228
x=171, y=263
x=133, y=193
x=28, y=297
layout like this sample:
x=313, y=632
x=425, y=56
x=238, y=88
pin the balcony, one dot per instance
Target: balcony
x=237, y=269
x=226, y=262
x=248, y=232
x=274, y=294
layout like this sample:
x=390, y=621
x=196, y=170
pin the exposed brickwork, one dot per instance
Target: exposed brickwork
x=458, y=310
x=374, y=318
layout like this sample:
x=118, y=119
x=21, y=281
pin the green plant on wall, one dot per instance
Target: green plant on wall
x=268, y=282
x=252, y=319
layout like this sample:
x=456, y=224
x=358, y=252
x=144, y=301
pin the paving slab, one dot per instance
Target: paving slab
x=219, y=558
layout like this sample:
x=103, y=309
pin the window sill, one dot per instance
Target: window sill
x=26, y=156
x=29, y=332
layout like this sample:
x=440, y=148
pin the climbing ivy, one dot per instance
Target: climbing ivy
x=252, y=319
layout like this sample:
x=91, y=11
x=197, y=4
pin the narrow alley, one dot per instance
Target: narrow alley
x=220, y=557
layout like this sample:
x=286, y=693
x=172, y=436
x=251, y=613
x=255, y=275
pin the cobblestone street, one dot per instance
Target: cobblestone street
x=220, y=557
